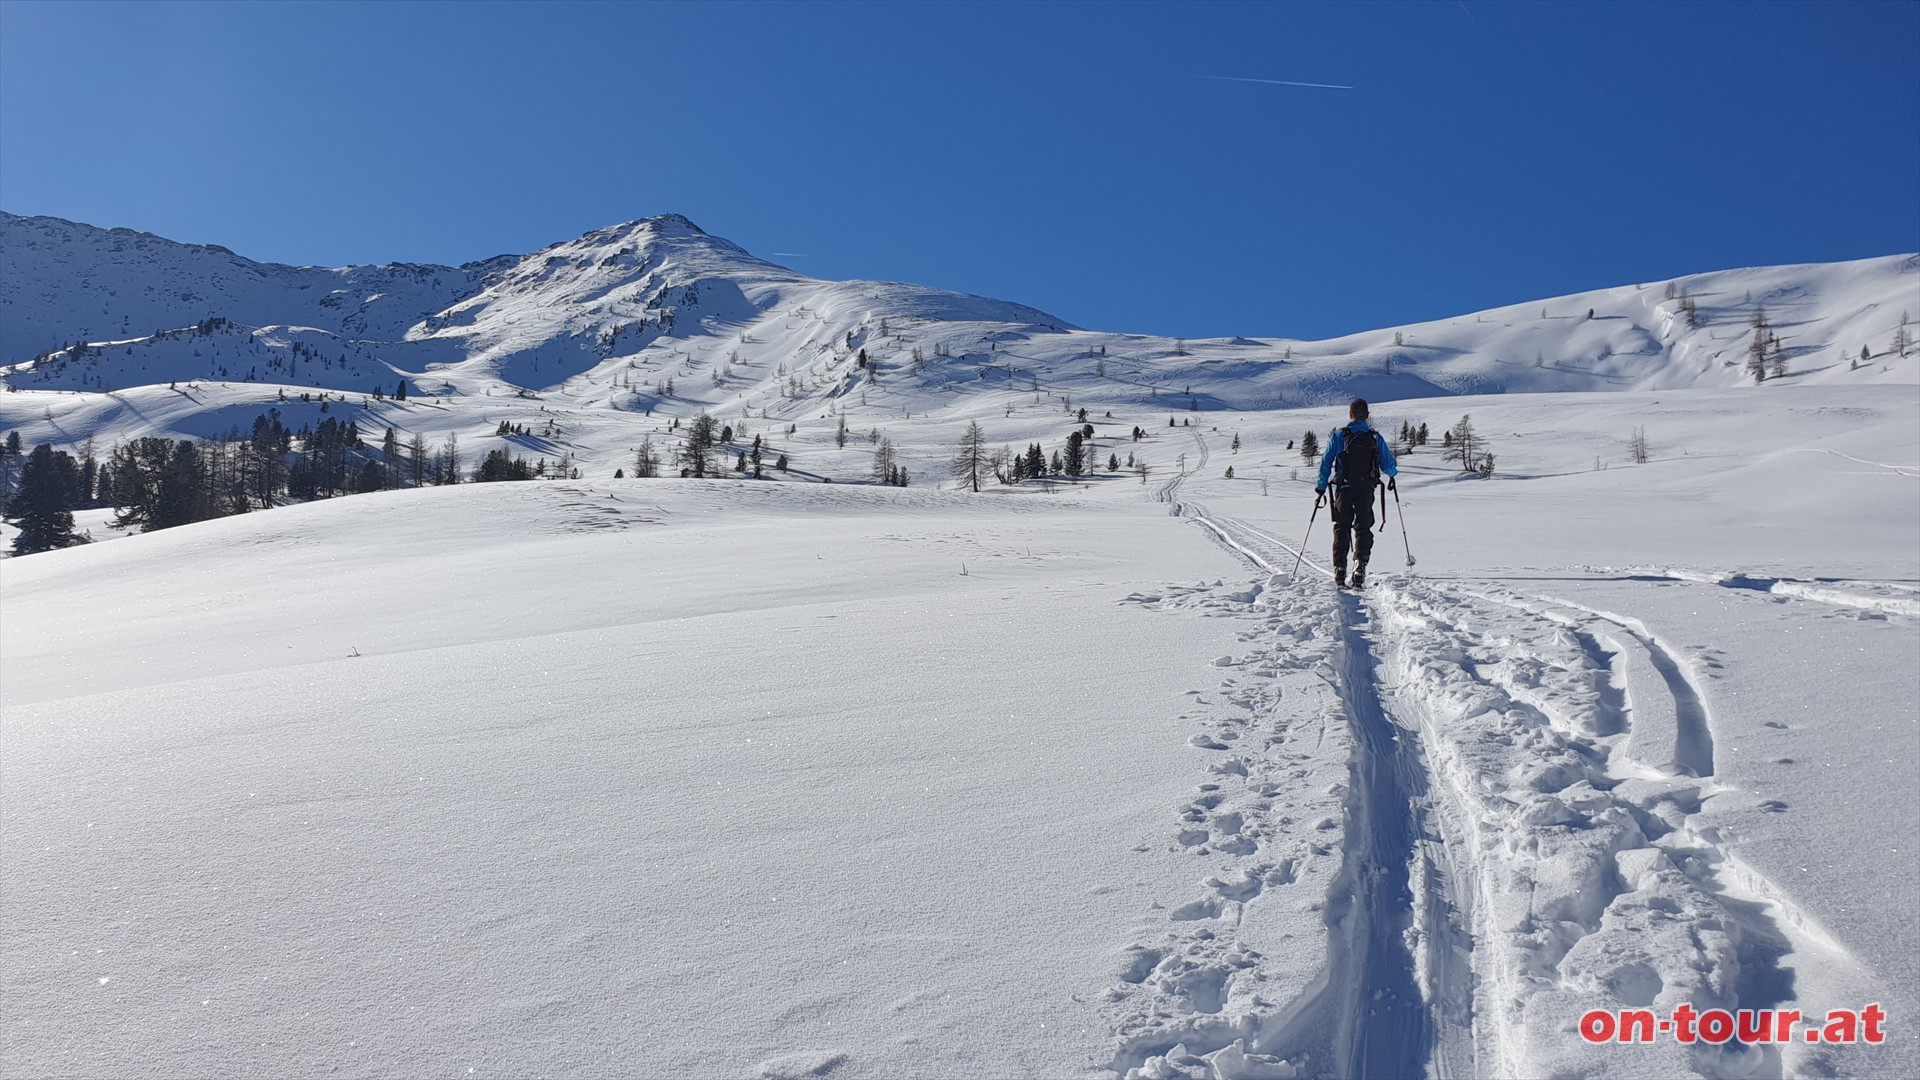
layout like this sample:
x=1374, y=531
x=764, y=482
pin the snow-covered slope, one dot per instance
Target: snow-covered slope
x=789, y=779
x=533, y=321
x=62, y=282
x=609, y=337
x=747, y=779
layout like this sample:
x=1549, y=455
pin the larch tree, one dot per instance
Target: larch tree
x=1463, y=445
x=1758, y=349
x=972, y=460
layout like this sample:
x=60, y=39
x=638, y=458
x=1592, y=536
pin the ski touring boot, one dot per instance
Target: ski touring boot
x=1360, y=576
x=1340, y=577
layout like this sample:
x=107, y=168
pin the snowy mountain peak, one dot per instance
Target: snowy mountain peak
x=666, y=236
x=669, y=223
x=658, y=229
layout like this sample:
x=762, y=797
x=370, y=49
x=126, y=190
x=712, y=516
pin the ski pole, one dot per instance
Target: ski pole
x=1302, y=553
x=1403, y=521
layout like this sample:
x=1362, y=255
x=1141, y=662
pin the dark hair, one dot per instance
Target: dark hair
x=1358, y=410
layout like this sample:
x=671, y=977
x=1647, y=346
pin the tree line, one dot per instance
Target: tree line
x=157, y=483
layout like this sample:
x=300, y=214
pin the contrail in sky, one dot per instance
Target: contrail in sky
x=1274, y=82
x=789, y=254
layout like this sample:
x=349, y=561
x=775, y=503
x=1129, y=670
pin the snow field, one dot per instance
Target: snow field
x=788, y=779
x=572, y=809
x=1241, y=827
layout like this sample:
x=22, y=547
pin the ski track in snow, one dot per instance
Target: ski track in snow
x=1201, y=998
x=1897, y=470
x=1868, y=597
x=1583, y=829
x=1523, y=840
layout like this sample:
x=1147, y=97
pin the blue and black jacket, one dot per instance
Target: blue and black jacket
x=1339, y=443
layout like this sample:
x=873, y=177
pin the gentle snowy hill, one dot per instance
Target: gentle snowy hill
x=749, y=779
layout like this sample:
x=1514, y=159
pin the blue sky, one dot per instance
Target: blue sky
x=1104, y=162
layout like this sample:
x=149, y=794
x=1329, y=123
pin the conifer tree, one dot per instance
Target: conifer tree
x=11, y=461
x=700, y=443
x=417, y=459
x=1757, y=349
x=971, y=462
x=43, y=506
x=184, y=496
x=390, y=458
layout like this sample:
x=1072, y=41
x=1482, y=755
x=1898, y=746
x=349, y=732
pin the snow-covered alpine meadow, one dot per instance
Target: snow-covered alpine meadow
x=1069, y=778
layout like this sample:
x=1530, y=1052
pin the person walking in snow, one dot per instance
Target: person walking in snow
x=1356, y=456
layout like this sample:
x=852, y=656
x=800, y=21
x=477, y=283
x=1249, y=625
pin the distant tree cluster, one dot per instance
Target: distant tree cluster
x=1689, y=309
x=1077, y=457
x=157, y=483
x=1029, y=465
x=235, y=353
x=886, y=464
x=499, y=465
x=1765, y=354
x=1902, y=340
x=703, y=449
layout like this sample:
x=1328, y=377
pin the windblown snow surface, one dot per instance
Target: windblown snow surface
x=736, y=778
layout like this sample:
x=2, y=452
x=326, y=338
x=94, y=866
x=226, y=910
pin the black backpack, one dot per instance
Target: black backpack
x=1359, y=461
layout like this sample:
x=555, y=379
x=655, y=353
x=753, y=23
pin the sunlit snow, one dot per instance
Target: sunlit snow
x=781, y=778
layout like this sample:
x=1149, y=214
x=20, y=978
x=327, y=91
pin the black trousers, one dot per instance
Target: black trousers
x=1352, y=524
